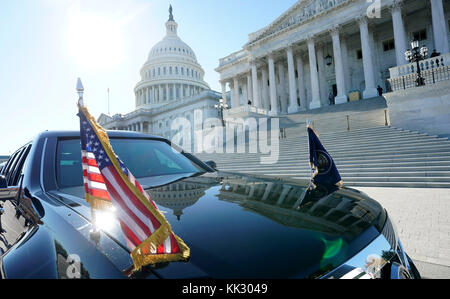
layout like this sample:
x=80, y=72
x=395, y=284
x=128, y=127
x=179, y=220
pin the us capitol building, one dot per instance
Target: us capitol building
x=171, y=87
x=344, y=47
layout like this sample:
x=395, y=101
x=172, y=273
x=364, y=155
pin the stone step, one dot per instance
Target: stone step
x=359, y=159
x=398, y=184
x=430, y=182
x=391, y=171
x=397, y=144
x=367, y=135
x=359, y=152
x=366, y=138
x=360, y=140
x=346, y=169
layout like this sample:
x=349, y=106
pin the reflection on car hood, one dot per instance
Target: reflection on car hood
x=240, y=226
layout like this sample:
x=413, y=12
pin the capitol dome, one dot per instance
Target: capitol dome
x=170, y=73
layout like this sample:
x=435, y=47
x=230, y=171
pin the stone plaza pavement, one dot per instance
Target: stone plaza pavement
x=422, y=217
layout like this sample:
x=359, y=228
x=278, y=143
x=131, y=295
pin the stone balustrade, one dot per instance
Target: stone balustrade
x=246, y=109
x=431, y=76
x=233, y=57
x=427, y=64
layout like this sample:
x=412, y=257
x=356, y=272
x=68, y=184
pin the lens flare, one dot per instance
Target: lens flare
x=332, y=248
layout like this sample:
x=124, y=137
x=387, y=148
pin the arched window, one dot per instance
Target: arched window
x=170, y=70
x=164, y=71
x=159, y=71
x=176, y=70
x=182, y=71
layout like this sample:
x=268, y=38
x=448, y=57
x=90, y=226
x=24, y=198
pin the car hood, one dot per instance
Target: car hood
x=240, y=226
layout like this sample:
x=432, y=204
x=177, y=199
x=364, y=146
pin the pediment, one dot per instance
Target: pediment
x=299, y=13
x=103, y=119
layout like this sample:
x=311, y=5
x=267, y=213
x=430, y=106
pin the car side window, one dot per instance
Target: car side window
x=15, y=164
x=10, y=174
x=14, y=179
x=12, y=165
x=8, y=164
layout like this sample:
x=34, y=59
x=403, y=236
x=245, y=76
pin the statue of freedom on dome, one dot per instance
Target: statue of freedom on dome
x=171, y=15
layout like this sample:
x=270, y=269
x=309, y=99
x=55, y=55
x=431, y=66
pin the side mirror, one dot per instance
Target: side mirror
x=5, y=192
x=211, y=164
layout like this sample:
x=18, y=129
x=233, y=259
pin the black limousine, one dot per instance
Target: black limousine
x=237, y=226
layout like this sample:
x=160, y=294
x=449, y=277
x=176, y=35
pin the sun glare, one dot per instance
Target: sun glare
x=94, y=40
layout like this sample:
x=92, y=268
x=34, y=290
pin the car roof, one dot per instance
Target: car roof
x=126, y=134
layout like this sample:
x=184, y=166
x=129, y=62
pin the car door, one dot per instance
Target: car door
x=14, y=221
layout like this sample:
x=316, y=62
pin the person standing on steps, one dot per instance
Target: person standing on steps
x=331, y=98
x=380, y=91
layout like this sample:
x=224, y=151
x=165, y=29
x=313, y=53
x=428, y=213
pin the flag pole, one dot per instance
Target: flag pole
x=80, y=91
x=108, y=102
x=312, y=168
x=94, y=233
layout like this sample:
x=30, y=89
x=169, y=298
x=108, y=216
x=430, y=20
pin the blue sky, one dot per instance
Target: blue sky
x=46, y=44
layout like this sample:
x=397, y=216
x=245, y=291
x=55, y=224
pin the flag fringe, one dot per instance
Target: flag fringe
x=141, y=259
x=98, y=203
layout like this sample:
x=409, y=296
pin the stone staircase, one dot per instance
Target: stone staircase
x=370, y=154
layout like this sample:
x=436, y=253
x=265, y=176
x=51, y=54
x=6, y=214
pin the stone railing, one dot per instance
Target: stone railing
x=427, y=64
x=244, y=109
x=431, y=76
x=233, y=57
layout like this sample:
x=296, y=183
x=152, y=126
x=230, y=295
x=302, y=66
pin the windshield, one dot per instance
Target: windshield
x=143, y=157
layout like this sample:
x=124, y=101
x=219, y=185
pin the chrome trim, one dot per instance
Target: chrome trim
x=44, y=147
x=369, y=261
x=390, y=233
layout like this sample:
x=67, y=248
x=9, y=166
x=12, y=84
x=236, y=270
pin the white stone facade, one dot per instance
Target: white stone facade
x=171, y=87
x=352, y=44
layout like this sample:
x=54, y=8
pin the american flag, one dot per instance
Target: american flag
x=109, y=182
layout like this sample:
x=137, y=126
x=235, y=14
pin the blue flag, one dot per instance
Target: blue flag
x=323, y=166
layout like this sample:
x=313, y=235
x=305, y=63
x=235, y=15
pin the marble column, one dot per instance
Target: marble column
x=255, y=85
x=237, y=101
x=174, y=91
x=282, y=91
x=160, y=95
x=323, y=84
x=439, y=27
x=167, y=99
x=344, y=51
x=224, y=91
x=273, y=88
x=265, y=89
x=341, y=97
x=301, y=83
x=268, y=186
x=315, y=101
x=399, y=32
x=293, y=105
x=250, y=89
x=369, y=77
